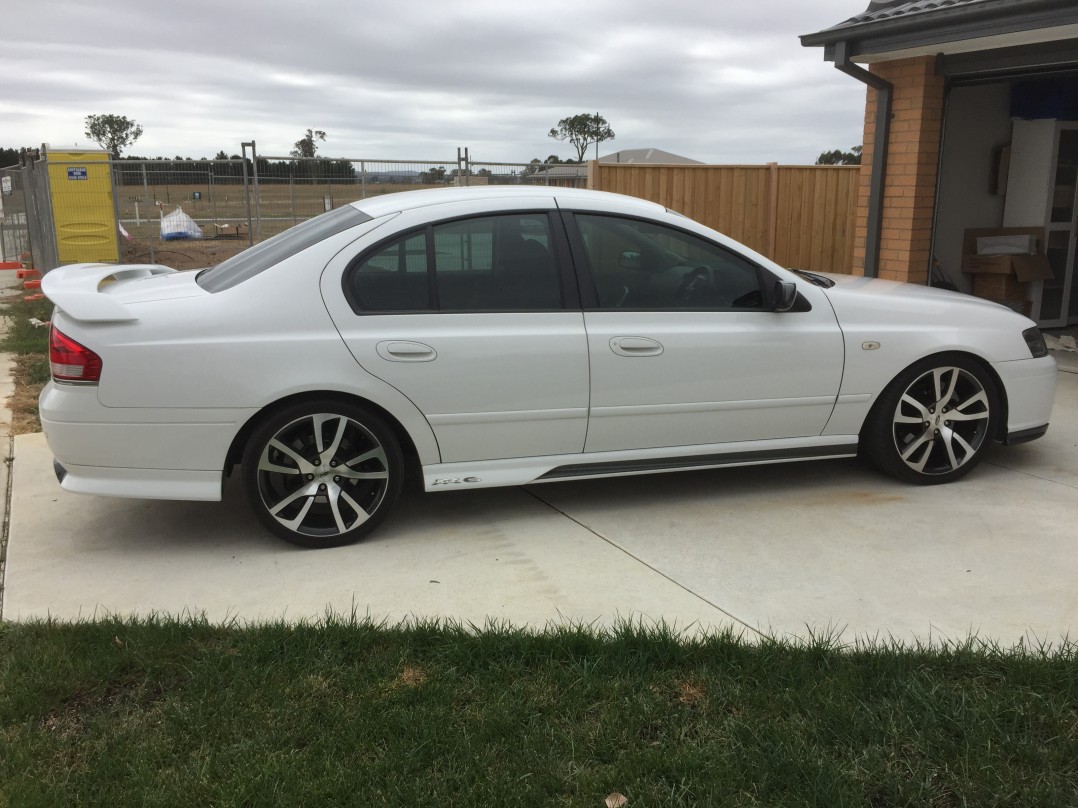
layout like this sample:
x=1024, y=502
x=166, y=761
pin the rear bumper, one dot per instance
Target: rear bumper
x=136, y=452
x=139, y=483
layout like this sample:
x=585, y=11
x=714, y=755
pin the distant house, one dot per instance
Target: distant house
x=577, y=173
x=648, y=156
x=971, y=121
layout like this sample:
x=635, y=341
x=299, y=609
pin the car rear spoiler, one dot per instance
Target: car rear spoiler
x=75, y=289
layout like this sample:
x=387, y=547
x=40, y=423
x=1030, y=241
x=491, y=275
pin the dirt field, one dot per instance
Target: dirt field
x=280, y=206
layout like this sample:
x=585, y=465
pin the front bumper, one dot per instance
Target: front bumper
x=1030, y=386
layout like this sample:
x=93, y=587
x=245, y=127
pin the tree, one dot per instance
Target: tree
x=113, y=133
x=305, y=146
x=837, y=157
x=581, y=131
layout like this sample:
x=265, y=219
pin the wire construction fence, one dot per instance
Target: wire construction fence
x=77, y=207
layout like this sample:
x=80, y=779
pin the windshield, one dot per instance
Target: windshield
x=284, y=245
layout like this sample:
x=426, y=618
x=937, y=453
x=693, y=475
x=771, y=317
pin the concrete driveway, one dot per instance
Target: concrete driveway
x=783, y=549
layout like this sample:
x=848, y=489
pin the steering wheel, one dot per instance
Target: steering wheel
x=697, y=287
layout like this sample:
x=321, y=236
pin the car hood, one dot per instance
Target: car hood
x=907, y=300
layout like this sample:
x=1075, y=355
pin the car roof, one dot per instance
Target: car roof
x=408, y=200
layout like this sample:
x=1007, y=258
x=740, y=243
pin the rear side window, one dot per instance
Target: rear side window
x=284, y=245
x=489, y=263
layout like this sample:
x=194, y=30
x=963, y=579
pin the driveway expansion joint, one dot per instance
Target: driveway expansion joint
x=660, y=573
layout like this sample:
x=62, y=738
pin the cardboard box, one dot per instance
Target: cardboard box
x=994, y=286
x=1025, y=268
x=230, y=230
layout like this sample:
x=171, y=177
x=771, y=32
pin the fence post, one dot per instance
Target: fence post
x=594, y=183
x=772, y=209
x=247, y=194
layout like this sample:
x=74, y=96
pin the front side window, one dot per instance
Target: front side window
x=638, y=264
x=490, y=263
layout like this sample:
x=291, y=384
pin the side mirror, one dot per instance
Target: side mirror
x=783, y=295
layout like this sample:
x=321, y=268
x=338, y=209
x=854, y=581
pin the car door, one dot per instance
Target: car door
x=465, y=310
x=683, y=350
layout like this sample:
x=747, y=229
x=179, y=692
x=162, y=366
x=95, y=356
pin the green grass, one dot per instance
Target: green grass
x=164, y=712
x=30, y=344
x=22, y=337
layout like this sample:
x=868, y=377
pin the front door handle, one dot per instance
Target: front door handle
x=635, y=346
x=400, y=351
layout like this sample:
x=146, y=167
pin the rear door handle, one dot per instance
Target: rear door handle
x=635, y=346
x=400, y=351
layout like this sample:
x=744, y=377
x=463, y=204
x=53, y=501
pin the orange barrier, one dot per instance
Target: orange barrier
x=10, y=265
x=32, y=298
x=28, y=273
x=32, y=284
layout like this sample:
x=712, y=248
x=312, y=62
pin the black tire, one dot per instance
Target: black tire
x=322, y=474
x=908, y=433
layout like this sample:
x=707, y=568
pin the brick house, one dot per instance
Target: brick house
x=971, y=121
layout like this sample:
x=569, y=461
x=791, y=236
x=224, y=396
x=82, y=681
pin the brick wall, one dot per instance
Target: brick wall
x=912, y=158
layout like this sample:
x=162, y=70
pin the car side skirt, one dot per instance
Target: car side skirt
x=557, y=468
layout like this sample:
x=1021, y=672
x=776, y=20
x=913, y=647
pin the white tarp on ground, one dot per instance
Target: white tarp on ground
x=177, y=225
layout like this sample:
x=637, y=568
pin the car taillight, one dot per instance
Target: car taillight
x=71, y=362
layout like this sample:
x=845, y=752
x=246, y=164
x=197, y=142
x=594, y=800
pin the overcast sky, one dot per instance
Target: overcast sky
x=722, y=81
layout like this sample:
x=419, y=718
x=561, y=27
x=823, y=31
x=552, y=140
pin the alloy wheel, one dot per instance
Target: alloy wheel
x=941, y=420
x=322, y=475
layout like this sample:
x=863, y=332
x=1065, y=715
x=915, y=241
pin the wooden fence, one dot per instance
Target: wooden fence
x=799, y=216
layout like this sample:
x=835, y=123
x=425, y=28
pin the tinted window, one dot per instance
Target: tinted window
x=394, y=277
x=284, y=245
x=491, y=263
x=643, y=265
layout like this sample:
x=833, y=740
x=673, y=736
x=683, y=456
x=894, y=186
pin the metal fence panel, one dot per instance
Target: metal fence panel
x=14, y=226
x=291, y=190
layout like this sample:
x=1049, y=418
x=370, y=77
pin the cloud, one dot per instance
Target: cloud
x=415, y=80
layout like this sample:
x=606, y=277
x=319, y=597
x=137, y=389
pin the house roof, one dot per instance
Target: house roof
x=647, y=156
x=893, y=26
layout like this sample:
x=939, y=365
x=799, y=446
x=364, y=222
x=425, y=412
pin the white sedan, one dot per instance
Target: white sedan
x=510, y=335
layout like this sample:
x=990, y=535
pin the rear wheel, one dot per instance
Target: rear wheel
x=934, y=422
x=322, y=474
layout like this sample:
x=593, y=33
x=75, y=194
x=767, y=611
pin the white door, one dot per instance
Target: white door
x=469, y=319
x=682, y=351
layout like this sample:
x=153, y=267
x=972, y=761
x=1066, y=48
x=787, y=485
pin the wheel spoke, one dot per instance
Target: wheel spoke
x=925, y=440
x=360, y=511
x=950, y=438
x=273, y=468
x=978, y=398
x=300, y=461
x=332, y=494
x=305, y=491
x=349, y=474
x=294, y=524
x=375, y=453
x=950, y=388
x=937, y=382
x=910, y=401
x=919, y=465
x=331, y=452
x=317, y=422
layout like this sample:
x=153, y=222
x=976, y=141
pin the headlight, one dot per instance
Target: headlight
x=1035, y=340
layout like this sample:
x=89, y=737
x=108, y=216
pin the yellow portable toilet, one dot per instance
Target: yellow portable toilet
x=84, y=216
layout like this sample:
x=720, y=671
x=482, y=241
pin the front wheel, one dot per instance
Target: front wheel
x=322, y=474
x=934, y=422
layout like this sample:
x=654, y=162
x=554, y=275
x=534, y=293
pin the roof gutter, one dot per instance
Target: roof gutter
x=884, y=92
x=1023, y=14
